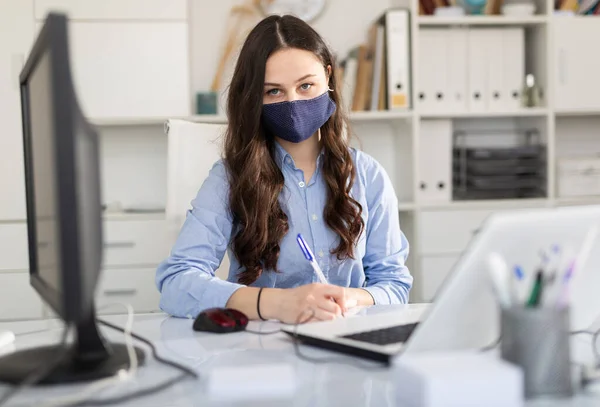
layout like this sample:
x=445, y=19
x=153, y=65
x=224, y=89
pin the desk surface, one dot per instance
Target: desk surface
x=324, y=384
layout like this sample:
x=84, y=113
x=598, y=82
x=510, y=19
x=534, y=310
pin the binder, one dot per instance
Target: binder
x=456, y=93
x=514, y=63
x=363, y=79
x=397, y=34
x=477, y=66
x=497, y=91
x=349, y=84
x=378, y=62
x=435, y=161
x=428, y=69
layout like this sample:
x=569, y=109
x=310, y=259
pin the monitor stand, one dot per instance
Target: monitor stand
x=90, y=357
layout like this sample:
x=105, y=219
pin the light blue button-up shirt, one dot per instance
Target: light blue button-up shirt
x=186, y=279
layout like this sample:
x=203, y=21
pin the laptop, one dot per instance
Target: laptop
x=464, y=314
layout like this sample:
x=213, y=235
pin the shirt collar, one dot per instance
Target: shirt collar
x=281, y=156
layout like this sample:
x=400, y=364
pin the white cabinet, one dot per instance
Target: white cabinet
x=114, y=9
x=13, y=247
x=577, y=64
x=18, y=300
x=130, y=69
x=16, y=26
x=128, y=58
x=136, y=243
x=135, y=287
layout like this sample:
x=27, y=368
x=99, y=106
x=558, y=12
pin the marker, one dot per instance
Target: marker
x=499, y=276
x=551, y=265
x=554, y=287
x=536, y=290
x=516, y=284
x=576, y=265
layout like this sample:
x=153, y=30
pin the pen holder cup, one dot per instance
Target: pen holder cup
x=537, y=340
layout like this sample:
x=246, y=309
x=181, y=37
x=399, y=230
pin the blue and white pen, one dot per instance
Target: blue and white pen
x=311, y=258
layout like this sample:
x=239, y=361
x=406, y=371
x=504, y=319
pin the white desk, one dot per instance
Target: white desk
x=318, y=384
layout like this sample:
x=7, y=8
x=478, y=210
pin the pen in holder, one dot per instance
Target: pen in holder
x=537, y=340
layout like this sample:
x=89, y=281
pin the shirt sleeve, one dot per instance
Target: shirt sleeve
x=186, y=279
x=388, y=280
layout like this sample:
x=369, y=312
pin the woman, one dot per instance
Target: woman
x=288, y=169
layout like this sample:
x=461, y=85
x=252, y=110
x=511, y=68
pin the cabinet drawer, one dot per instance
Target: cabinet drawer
x=114, y=9
x=134, y=286
x=13, y=247
x=434, y=270
x=448, y=231
x=143, y=242
x=18, y=300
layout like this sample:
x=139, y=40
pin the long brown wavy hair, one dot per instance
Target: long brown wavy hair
x=254, y=177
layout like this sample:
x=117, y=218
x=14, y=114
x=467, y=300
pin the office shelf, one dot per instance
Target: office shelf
x=381, y=115
x=575, y=201
x=487, y=204
x=481, y=20
x=406, y=206
x=576, y=113
x=530, y=112
x=127, y=216
x=365, y=116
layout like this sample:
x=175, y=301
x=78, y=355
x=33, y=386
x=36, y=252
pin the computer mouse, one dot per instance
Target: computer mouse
x=220, y=320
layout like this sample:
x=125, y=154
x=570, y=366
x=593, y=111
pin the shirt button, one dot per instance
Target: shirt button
x=288, y=160
x=301, y=184
x=314, y=216
x=321, y=254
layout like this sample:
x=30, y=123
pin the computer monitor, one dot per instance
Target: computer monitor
x=64, y=214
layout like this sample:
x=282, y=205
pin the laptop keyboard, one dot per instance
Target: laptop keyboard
x=385, y=336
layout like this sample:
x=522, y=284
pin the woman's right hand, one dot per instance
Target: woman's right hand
x=321, y=302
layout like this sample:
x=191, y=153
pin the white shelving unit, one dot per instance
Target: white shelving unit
x=134, y=146
x=393, y=138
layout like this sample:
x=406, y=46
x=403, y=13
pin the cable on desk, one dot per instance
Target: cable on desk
x=186, y=372
x=591, y=374
x=182, y=368
x=40, y=373
x=103, y=383
x=275, y=331
x=135, y=395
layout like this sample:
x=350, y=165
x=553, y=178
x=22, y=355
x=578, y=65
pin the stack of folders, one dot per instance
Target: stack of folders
x=375, y=75
x=499, y=171
x=470, y=69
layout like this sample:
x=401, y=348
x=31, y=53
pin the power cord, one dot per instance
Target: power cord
x=82, y=398
x=273, y=332
x=182, y=368
x=186, y=372
x=40, y=373
x=591, y=374
x=101, y=384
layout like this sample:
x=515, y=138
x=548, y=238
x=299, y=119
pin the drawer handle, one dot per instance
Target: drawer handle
x=121, y=293
x=119, y=245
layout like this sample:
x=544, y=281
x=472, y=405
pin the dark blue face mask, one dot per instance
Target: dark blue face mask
x=297, y=120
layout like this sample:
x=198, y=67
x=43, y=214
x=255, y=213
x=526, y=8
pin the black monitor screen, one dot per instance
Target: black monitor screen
x=43, y=170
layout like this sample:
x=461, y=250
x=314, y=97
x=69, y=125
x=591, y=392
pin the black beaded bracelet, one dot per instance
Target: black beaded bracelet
x=258, y=304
